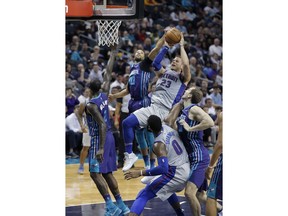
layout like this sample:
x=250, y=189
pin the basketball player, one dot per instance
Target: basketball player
x=102, y=153
x=137, y=86
x=86, y=141
x=215, y=187
x=170, y=87
x=190, y=124
x=173, y=166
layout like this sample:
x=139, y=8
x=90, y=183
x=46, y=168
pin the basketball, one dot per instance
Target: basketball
x=173, y=36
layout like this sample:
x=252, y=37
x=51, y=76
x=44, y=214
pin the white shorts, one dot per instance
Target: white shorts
x=86, y=140
x=164, y=186
x=143, y=114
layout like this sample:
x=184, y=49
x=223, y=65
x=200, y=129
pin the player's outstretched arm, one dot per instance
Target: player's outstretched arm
x=93, y=110
x=120, y=94
x=160, y=151
x=156, y=49
x=158, y=69
x=109, y=68
x=185, y=60
x=201, y=116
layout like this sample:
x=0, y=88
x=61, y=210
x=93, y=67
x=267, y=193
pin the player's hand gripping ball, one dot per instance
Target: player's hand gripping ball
x=173, y=36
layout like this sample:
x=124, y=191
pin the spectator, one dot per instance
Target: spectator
x=85, y=53
x=96, y=73
x=117, y=82
x=204, y=89
x=96, y=53
x=193, y=63
x=211, y=108
x=181, y=27
x=215, y=48
x=75, y=56
x=73, y=134
x=216, y=96
x=71, y=101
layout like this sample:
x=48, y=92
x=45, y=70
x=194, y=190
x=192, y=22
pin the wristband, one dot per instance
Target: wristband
x=211, y=167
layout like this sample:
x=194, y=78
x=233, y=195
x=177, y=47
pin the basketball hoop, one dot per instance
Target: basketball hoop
x=108, y=32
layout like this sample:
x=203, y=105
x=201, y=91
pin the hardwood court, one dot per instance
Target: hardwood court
x=80, y=189
x=83, y=198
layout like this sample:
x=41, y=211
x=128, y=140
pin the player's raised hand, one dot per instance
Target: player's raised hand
x=182, y=40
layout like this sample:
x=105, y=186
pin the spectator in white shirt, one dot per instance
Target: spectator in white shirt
x=215, y=48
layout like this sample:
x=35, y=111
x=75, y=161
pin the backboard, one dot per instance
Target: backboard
x=104, y=9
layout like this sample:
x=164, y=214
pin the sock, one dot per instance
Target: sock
x=152, y=163
x=173, y=200
x=146, y=160
x=128, y=148
x=81, y=166
x=108, y=200
x=119, y=200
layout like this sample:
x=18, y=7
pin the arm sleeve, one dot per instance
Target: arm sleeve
x=162, y=167
x=157, y=61
x=145, y=64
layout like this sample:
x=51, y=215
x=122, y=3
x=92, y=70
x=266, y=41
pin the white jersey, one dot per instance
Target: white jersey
x=169, y=89
x=177, y=154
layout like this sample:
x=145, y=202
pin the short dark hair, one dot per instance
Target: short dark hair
x=197, y=96
x=155, y=123
x=94, y=85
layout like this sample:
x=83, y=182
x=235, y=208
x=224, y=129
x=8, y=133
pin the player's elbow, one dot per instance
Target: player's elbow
x=156, y=66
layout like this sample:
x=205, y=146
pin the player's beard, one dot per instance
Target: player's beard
x=138, y=59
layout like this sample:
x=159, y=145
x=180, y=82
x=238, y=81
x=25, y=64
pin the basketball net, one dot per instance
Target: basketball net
x=108, y=32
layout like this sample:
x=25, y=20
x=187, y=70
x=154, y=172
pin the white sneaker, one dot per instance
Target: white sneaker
x=129, y=160
x=149, y=179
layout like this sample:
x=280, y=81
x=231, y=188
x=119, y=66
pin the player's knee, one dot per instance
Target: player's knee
x=130, y=122
x=94, y=176
x=190, y=193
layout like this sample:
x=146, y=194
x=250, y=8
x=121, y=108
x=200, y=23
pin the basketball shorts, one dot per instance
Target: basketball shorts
x=144, y=113
x=198, y=169
x=215, y=186
x=173, y=181
x=109, y=162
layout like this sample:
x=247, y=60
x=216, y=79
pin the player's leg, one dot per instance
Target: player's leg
x=190, y=194
x=96, y=169
x=103, y=189
x=128, y=126
x=174, y=202
x=84, y=152
x=150, y=141
x=141, y=140
x=215, y=190
x=113, y=186
x=142, y=198
x=135, y=120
